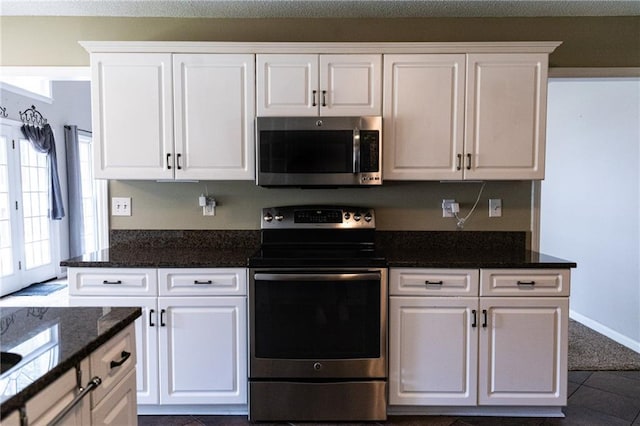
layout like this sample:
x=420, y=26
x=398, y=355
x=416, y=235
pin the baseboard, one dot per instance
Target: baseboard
x=603, y=329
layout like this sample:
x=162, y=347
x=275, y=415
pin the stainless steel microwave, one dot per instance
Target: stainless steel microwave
x=319, y=151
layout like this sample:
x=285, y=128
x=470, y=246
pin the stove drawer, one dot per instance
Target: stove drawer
x=433, y=282
x=208, y=281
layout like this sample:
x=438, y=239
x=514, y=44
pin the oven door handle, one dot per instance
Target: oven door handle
x=366, y=276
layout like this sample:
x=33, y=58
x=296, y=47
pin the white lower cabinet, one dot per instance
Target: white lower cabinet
x=203, y=350
x=191, y=338
x=452, y=344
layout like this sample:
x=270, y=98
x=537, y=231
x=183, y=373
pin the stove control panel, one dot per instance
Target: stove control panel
x=322, y=217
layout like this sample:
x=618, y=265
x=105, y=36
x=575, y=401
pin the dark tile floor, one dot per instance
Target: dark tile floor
x=596, y=398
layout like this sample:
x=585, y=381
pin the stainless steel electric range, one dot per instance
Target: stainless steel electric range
x=317, y=317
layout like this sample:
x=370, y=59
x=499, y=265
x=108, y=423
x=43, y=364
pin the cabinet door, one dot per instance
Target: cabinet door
x=132, y=115
x=506, y=116
x=48, y=403
x=203, y=350
x=146, y=341
x=214, y=112
x=523, y=351
x=423, y=116
x=350, y=85
x=119, y=407
x=433, y=350
x=287, y=85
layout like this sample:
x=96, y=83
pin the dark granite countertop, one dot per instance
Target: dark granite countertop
x=183, y=257
x=52, y=341
x=219, y=249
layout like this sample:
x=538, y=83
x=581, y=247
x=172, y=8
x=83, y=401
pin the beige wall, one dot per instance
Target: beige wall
x=587, y=41
x=398, y=205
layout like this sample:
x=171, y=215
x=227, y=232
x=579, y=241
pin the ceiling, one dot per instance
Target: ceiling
x=318, y=8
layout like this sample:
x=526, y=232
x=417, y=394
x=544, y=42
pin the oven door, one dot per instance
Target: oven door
x=318, y=324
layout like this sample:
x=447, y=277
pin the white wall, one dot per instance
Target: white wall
x=590, y=206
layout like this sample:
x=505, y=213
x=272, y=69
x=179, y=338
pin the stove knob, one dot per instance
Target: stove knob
x=347, y=216
x=357, y=217
x=268, y=217
x=367, y=217
x=279, y=217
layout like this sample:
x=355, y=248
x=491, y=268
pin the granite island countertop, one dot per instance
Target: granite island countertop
x=52, y=341
x=227, y=249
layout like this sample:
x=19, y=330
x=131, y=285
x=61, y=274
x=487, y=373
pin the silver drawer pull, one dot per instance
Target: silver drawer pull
x=202, y=282
x=527, y=283
x=427, y=282
x=125, y=356
x=93, y=383
x=112, y=282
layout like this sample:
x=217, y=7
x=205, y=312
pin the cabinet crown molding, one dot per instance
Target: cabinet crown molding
x=318, y=47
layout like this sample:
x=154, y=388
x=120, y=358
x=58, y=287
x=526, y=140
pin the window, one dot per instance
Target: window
x=93, y=196
x=25, y=228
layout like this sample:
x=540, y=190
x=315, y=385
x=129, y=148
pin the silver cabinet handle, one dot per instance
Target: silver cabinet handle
x=202, y=282
x=317, y=277
x=526, y=283
x=93, y=383
x=427, y=282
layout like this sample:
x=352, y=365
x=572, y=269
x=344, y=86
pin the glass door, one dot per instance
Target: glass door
x=25, y=227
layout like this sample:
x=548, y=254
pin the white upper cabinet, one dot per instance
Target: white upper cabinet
x=465, y=116
x=506, y=116
x=423, y=116
x=132, y=102
x=214, y=110
x=311, y=85
x=140, y=99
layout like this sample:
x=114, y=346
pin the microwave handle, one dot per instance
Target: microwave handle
x=356, y=151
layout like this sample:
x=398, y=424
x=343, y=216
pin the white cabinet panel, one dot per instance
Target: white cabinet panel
x=287, y=85
x=350, y=85
x=423, y=116
x=112, y=281
x=506, y=115
x=433, y=351
x=311, y=85
x=525, y=282
x=523, y=346
x=132, y=115
x=433, y=282
x=214, y=111
x=203, y=282
x=204, y=340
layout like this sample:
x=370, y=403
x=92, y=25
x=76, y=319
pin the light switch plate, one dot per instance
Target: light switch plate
x=121, y=206
x=495, y=207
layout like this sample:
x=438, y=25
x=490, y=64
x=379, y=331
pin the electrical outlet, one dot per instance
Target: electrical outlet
x=495, y=207
x=121, y=206
x=446, y=208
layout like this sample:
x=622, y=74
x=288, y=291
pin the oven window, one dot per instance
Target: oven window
x=317, y=319
x=301, y=151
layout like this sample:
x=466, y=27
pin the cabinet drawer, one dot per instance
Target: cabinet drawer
x=112, y=282
x=524, y=282
x=433, y=282
x=189, y=282
x=112, y=362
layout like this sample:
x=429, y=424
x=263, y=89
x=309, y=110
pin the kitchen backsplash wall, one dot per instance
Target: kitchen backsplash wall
x=398, y=205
